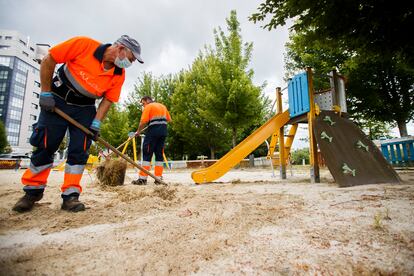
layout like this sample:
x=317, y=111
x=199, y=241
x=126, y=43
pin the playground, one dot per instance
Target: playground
x=248, y=222
x=353, y=216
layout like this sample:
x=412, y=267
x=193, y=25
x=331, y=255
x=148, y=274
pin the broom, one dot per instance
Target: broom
x=106, y=144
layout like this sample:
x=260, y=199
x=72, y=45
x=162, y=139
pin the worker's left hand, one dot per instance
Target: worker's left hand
x=95, y=128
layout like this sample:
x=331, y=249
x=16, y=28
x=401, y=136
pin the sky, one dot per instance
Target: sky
x=171, y=33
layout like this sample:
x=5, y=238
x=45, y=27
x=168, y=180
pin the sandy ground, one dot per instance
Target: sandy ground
x=249, y=223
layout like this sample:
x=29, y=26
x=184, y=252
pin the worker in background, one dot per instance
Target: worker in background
x=90, y=71
x=156, y=116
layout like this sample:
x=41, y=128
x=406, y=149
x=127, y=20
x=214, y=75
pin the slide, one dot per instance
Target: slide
x=233, y=157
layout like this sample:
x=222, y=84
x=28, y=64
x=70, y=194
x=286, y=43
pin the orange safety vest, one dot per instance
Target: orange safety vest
x=84, y=68
x=155, y=114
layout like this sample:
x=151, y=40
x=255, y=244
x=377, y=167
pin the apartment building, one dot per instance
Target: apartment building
x=19, y=87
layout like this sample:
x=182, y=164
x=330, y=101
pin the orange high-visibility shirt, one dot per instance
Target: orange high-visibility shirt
x=155, y=114
x=84, y=68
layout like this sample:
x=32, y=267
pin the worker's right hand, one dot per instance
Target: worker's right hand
x=46, y=101
x=95, y=129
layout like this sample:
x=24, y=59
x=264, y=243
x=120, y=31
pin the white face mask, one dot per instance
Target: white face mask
x=122, y=63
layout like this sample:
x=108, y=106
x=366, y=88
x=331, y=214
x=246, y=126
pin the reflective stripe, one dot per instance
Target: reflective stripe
x=157, y=123
x=77, y=86
x=143, y=177
x=71, y=190
x=34, y=187
x=158, y=118
x=159, y=163
x=74, y=169
x=37, y=169
x=145, y=163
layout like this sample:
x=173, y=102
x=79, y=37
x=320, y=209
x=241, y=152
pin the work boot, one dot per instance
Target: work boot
x=140, y=181
x=72, y=204
x=26, y=202
x=158, y=182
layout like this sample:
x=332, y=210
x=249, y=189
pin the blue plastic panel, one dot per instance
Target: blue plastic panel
x=298, y=95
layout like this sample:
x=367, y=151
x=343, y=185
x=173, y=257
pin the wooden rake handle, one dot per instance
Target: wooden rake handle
x=106, y=144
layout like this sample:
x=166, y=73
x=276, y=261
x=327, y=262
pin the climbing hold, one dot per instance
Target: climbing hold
x=347, y=170
x=328, y=120
x=326, y=136
x=337, y=109
x=361, y=145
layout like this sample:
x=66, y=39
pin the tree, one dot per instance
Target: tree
x=378, y=27
x=365, y=42
x=115, y=127
x=299, y=155
x=3, y=138
x=201, y=133
x=230, y=97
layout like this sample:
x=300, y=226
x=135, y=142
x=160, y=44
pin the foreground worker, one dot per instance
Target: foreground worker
x=90, y=71
x=156, y=116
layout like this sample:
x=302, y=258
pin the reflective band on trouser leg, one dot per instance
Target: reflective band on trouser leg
x=146, y=165
x=73, y=176
x=35, y=177
x=159, y=167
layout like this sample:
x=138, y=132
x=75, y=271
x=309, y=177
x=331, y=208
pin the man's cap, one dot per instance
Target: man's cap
x=132, y=45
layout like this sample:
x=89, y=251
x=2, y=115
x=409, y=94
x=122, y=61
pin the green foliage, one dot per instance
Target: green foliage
x=115, y=127
x=373, y=129
x=380, y=27
x=366, y=43
x=3, y=138
x=230, y=97
x=200, y=134
x=298, y=155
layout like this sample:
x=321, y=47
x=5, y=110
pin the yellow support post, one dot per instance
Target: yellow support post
x=272, y=145
x=126, y=146
x=313, y=147
x=289, y=140
x=134, y=147
x=282, y=156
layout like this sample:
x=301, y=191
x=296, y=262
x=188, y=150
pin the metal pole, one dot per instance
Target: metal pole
x=282, y=157
x=313, y=147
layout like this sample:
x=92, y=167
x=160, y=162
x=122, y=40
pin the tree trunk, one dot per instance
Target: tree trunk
x=234, y=134
x=402, y=127
x=212, y=153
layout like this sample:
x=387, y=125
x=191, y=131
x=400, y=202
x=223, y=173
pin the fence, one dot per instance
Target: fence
x=399, y=151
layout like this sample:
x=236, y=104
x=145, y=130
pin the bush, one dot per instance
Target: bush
x=298, y=155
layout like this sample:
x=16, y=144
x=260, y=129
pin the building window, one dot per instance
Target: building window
x=8, y=38
x=5, y=47
x=36, y=95
x=5, y=61
x=1, y=101
x=3, y=87
x=23, y=66
x=15, y=102
x=30, y=128
x=37, y=83
x=24, y=53
x=3, y=75
x=15, y=115
x=33, y=117
x=22, y=42
x=31, y=49
x=20, y=78
x=18, y=90
x=35, y=106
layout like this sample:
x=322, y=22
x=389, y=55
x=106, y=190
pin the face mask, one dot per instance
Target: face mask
x=122, y=63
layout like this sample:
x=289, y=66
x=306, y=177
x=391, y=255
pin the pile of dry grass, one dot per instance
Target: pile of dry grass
x=111, y=172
